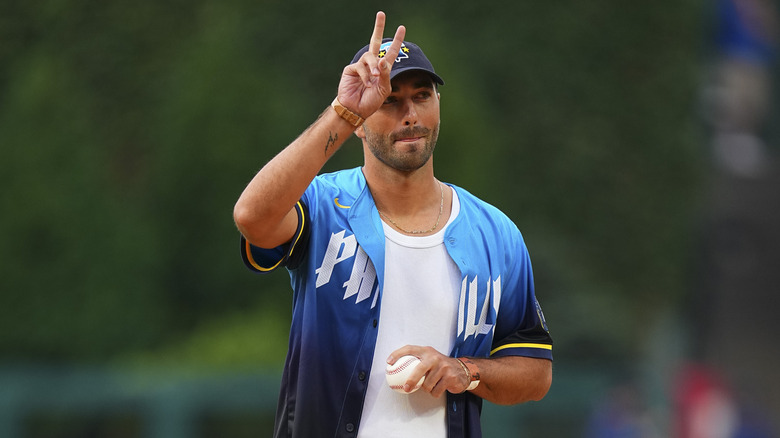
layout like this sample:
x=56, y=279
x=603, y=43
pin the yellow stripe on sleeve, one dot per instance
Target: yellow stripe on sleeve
x=254, y=264
x=526, y=345
x=248, y=248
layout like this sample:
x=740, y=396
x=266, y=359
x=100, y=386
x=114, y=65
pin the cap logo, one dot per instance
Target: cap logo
x=403, y=53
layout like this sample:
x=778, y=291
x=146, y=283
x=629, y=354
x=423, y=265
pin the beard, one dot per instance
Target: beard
x=382, y=147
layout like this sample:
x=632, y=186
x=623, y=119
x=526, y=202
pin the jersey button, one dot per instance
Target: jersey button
x=350, y=427
x=362, y=376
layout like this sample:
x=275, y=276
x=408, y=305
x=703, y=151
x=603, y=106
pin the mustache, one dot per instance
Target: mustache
x=416, y=131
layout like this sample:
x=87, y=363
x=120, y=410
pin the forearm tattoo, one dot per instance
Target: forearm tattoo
x=331, y=141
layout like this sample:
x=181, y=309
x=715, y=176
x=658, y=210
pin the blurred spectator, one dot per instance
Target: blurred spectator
x=739, y=96
x=706, y=407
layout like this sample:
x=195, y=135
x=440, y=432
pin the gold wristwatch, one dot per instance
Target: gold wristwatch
x=352, y=118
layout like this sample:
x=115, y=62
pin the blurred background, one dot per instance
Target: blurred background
x=634, y=143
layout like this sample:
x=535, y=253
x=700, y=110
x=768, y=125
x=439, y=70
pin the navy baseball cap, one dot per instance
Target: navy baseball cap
x=410, y=57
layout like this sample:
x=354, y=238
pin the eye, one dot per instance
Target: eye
x=423, y=95
x=390, y=100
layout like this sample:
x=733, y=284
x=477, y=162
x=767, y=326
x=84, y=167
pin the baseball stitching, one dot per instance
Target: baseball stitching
x=402, y=366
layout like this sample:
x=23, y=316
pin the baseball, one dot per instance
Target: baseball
x=398, y=373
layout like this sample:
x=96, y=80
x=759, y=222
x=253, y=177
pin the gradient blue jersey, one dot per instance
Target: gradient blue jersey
x=336, y=262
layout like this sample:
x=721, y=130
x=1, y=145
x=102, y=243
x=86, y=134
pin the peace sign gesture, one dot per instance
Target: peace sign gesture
x=366, y=83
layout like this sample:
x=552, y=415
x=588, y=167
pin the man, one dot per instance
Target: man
x=387, y=261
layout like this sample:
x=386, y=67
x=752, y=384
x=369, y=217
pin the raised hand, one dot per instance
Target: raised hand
x=366, y=83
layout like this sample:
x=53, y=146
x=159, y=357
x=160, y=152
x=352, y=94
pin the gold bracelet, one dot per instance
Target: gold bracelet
x=472, y=371
x=351, y=118
x=466, y=370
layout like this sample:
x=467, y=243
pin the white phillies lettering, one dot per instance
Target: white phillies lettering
x=363, y=277
x=339, y=249
x=361, y=281
x=467, y=308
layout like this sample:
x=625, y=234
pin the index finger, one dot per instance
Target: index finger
x=376, y=37
x=406, y=350
x=395, y=47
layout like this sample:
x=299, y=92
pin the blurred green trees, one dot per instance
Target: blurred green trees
x=128, y=130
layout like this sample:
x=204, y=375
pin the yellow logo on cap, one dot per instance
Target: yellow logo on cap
x=402, y=54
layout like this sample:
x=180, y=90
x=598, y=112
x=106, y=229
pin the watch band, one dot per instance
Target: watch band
x=473, y=371
x=351, y=118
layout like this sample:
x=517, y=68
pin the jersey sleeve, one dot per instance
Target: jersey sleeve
x=289, y=255
x=522, y=329
x=532, y=338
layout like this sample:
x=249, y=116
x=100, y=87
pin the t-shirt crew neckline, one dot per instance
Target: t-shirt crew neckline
x=428, y=241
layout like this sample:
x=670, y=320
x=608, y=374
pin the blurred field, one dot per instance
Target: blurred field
x=128, y=130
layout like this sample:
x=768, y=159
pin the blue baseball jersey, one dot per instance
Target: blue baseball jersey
x=336, y=263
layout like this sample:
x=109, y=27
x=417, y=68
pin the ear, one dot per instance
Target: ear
x=360, y=132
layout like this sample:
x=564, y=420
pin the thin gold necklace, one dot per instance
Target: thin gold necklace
x=436, y=225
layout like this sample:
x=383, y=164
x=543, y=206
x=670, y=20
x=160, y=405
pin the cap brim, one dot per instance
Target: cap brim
x=436, y=78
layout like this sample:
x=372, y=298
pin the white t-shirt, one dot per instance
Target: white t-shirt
x=419, y=307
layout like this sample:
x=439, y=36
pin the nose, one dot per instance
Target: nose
x=410, y=113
